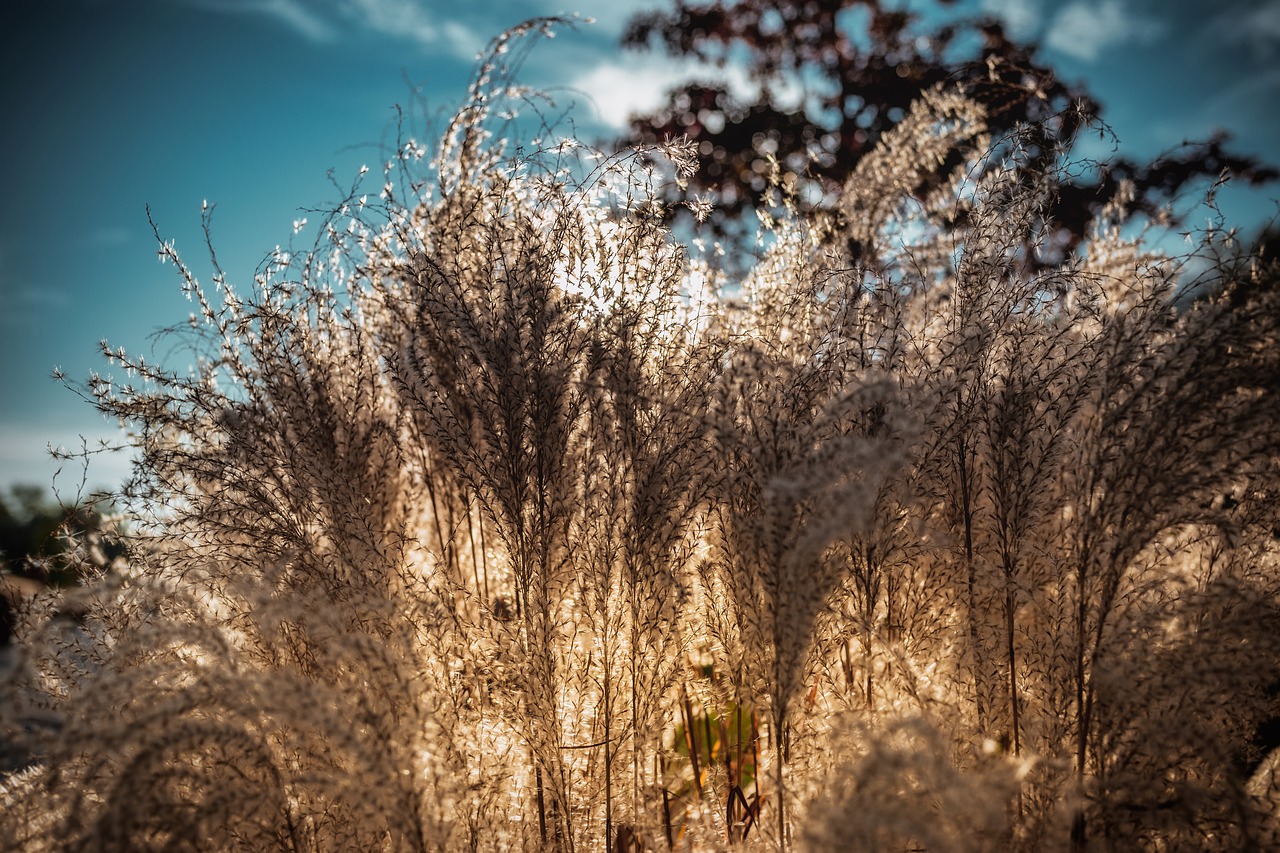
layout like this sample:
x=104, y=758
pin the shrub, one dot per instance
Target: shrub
x=500, y=520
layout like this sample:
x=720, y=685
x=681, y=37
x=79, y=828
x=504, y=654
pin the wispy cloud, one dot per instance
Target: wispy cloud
x=107, y=236
x=1084, y=29
x=1257, y=27
x=324, y=21
x=24, y=305
x=298, y=15
x=1022, y=17
x=1241, y=109
x=1245, y=96
x=410, y=19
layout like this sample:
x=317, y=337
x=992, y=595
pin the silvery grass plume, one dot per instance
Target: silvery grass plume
x=498, y=519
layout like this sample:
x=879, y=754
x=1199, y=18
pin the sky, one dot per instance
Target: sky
x=111, y=106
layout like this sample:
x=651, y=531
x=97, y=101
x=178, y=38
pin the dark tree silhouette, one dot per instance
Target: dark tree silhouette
x=858, y=65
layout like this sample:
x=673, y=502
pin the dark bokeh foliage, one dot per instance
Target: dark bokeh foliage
x=860, y=65
x=35, y=533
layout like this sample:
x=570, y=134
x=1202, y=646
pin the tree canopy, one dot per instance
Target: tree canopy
x=834, y=76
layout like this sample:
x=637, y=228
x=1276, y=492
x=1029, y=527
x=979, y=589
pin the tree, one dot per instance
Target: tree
x=835, y=75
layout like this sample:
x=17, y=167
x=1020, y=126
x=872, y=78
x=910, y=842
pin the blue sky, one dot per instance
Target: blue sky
x=111, y=105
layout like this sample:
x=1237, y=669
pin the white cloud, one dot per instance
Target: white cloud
x=619, y=90
x=634, y=84
x=1022, y=17
x=1083, y=30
